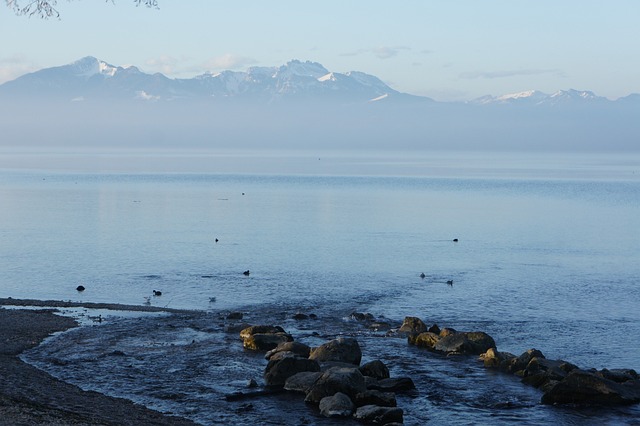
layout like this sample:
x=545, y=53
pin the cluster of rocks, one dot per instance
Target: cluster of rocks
x=561, y=381
x=329, y=376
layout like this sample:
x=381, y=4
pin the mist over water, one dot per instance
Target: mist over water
x=546, y=258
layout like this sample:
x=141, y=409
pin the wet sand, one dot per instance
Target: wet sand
x=29, y=396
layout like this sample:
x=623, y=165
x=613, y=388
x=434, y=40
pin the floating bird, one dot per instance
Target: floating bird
x=217, y=240
x=157, y=293
x=212, y=299
x=80, y=288
x=450, y=282
x=246, y=272
x=455, y=240
x=422, y=275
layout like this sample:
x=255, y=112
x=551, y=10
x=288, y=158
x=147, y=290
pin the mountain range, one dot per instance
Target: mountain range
x=91, y=78
x=297, y=105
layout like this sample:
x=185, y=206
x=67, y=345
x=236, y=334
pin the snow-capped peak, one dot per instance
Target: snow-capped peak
x=90, y=66
x=328, y=77
x=528, y=94
x=298, y=68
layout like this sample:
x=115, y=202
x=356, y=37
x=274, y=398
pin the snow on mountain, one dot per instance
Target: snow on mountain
x=535, y=97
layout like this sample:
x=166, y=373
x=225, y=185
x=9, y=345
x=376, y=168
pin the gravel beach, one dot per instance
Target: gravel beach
x=29, y=396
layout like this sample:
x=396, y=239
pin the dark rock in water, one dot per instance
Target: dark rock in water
x=618, y=375
x=396, y=384
x=337, y=405
x=376, y=369
x=517, y=365
x=465, y=343
x=278, y=371
x=494, y=359
x=80, y=288
x=413, y=325
x=447, y=332
x=424, y=340
x=302, y=382
x=297, y=348
x=342, y=349
x=300, y=316
x=541, y=371
x=434, y=329
x=260, y=329
x=265, y=342
x=586, y=388
x=373, y=414
x=379, y=325
x=235, y=316
x=374, y=397
x=346, y=380
x=359, y=316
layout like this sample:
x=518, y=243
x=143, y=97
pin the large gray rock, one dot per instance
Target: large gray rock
x=517, y=365
x=297, y=348
x=346, y=380
x=413, y=325
x=342, y=349
x=337, y=405
x=373, y=414
x=394, y=384
x=583, y=387
x=376, y=369
x=541, y=372
x=279, y=370
x=302, y=382
x=494, y=359
x=465, y=343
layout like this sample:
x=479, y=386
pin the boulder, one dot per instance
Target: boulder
x=279, y=370
x=302, y=382
x=359, y=316
x=588, y=388
x=297, y=348
x=541, y=371
x=373, y=414
x=518, y=364
x=374, y=397
x=346, y=380
x=396, y=384
x=413, y=325
x=342, y=349
x=494, y=359
x=260, y=329
x=447, y=332
x=618, y=375
x=465, y=343
x=337, y=405
x=434, y=329
x=424, y=340
x=376, y=369
x=265, y=342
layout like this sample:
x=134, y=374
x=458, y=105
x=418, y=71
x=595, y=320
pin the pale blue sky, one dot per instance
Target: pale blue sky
x=448, y=50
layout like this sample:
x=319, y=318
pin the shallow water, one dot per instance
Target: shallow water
x=547, y=257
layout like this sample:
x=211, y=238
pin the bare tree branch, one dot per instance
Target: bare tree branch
x=47, y=8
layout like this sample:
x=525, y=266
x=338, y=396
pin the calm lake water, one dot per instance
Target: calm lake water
x=548, y=256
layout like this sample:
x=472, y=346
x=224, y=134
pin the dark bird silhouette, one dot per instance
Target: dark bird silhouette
x=246, y=272
x=80, y=288
x=217, y=240
x=157, y=293
x=455, y=240
x=422, y=275
x=450, y=282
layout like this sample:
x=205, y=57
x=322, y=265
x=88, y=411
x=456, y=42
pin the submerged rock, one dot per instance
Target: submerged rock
x=376, y=369
x=266, y=342
x=297, y=348
x=375, y=397
x=465, y=343
x=413, y=325
x=260, y=329
x=302, y=382
x=374, y=414
x=587, y=388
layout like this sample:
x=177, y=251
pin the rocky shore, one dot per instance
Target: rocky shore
x=328, y=375
x=29, y=396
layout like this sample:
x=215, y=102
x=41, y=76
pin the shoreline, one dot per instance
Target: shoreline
x=29, y=396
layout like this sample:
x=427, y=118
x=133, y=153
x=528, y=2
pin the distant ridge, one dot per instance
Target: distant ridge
x=92, y=78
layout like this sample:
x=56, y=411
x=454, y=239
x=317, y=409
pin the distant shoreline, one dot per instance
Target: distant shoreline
x=31, y=396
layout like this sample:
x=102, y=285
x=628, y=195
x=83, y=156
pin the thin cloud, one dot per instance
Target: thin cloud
x=164, y=64
x=12, y=67
x=489, y=75
x=382, y=52
x=228, y=62
x=386, y=52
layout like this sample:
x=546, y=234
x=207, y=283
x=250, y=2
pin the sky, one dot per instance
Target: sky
x=447, y=50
